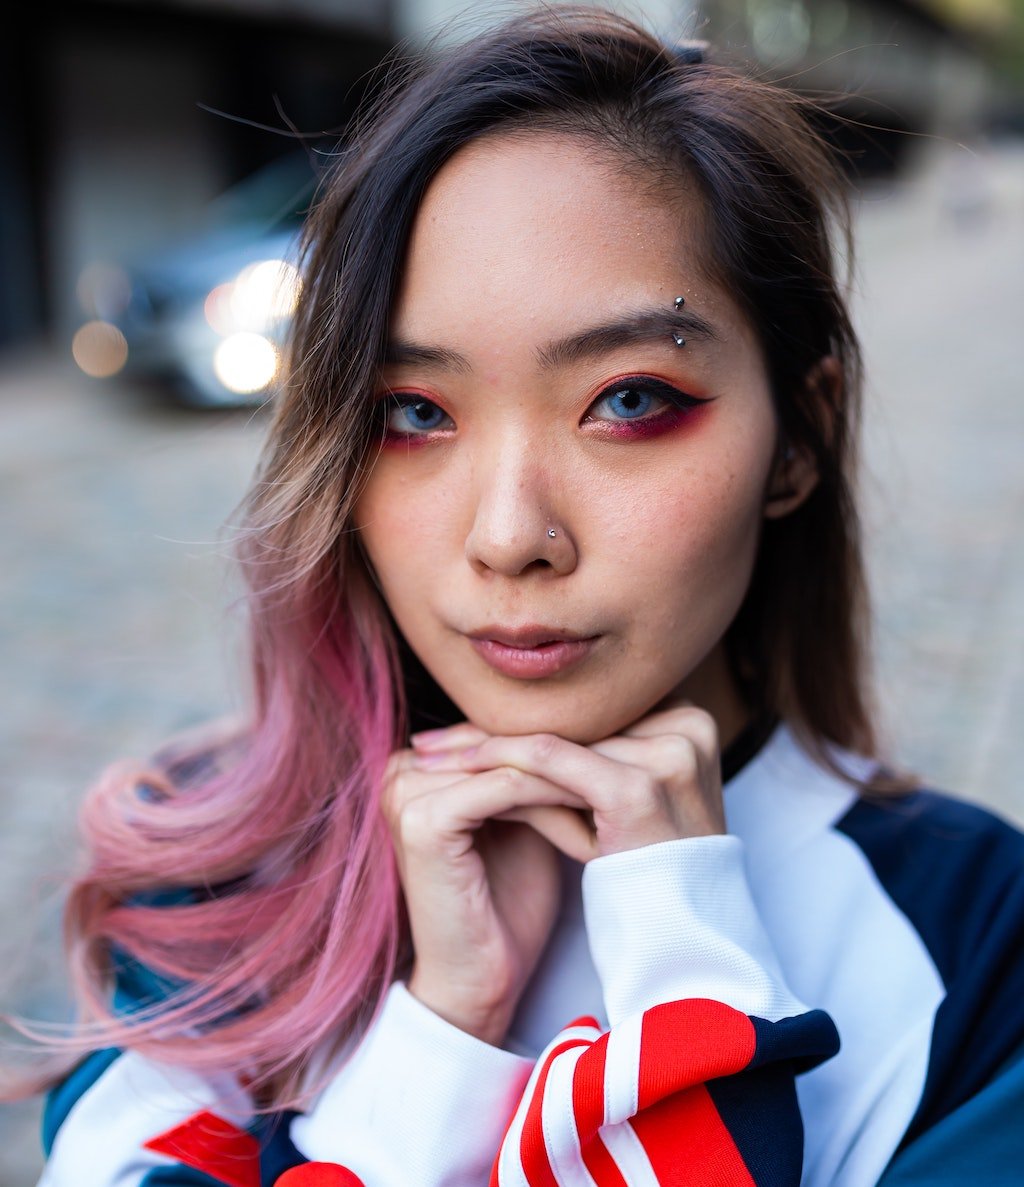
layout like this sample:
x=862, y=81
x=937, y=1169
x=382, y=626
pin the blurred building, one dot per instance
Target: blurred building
x=889, y=70
x=124, y=119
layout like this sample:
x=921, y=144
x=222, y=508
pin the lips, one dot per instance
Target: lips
x=530, y=652
x=527, y=636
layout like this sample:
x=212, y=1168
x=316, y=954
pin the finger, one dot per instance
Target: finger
x=405, y=784
x=455, y=737
x=400, y=760
x=623, y=748
x=667, y=717
x=566, y=829
x=467, y=801
x=665, y=756
x=591, y=776
x=689, y=720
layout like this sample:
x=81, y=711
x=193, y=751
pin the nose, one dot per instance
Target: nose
x=518, y=522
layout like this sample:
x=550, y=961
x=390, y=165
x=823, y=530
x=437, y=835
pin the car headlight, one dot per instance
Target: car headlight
x=246, y=362
x=261, y=295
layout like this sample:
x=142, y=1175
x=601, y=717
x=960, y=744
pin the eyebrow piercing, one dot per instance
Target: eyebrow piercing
x=680, y=302
x=678, y=339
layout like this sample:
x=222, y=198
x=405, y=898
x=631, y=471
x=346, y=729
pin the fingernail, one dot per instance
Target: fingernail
x=434, y=758
x=427, y=739
x=443, y=758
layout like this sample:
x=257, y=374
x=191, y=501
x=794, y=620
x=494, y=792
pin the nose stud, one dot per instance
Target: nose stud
x=552, y=533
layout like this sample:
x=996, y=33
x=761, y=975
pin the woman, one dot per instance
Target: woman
x=563, y=473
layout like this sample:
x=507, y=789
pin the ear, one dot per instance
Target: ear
x=795, y=473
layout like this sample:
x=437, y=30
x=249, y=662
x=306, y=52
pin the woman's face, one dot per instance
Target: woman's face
x=565, y=511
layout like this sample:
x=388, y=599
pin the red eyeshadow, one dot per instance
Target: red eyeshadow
x=407, y=441
x=669, y=421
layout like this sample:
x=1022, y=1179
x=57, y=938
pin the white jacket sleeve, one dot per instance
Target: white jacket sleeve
x=420, y=1102
x=694, y=1081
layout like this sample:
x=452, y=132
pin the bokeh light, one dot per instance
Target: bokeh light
x=264, y=293
x=245, y=362
x=99, y=349
x=217, y=310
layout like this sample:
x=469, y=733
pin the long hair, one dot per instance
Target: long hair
x=287, y=922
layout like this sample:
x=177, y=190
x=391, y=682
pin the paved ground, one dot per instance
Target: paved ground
x=112, y=632
x=113, y=584
x=940, y=310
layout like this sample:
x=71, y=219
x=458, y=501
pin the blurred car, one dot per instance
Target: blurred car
x=206, y=317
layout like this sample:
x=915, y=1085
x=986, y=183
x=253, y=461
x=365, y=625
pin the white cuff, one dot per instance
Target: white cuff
x=419, y=1102
x=676, y=920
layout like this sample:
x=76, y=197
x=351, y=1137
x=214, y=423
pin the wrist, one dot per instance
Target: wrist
x=483, y=1018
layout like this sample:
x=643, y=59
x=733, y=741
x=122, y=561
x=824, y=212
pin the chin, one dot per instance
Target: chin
x=575, y=723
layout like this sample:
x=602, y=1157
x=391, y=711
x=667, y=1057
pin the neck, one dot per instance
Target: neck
x=711, y=686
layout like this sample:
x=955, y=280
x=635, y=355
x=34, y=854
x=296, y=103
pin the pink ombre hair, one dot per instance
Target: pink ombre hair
x=292, y=937
x=297, y=928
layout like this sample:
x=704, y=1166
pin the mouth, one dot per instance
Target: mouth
x=531, y=652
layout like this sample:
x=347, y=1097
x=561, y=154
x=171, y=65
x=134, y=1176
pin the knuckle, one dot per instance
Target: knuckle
x=543, y=747
x=676, y=755
x=706, y=728
x=637, y=792
x=398, y=790
x=416, y=822
x=508, y=780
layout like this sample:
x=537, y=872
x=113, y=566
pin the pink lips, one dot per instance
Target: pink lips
x=530, y=652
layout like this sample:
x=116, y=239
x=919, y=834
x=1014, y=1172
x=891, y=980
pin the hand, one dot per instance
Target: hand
x=659, y=780
x=481, y=889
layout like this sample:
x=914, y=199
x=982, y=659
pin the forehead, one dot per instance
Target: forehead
x=547, y=218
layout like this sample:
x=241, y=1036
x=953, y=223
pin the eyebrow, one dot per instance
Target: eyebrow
x=646, y=325
x=399, y=352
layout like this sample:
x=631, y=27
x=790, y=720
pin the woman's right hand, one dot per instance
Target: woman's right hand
x=482, y=893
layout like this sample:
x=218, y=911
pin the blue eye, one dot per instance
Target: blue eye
x=411, y=415
x=628, y=402
x=632, y=399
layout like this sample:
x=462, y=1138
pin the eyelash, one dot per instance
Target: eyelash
x=396, y=402
x=648, y=385
x=679, y=402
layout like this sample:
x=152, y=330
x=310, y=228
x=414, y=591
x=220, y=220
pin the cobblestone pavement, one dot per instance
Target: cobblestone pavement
x=940, y=309
x=113, y=583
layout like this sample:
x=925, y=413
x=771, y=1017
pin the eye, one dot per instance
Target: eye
x=412, y=415
x=636, y=398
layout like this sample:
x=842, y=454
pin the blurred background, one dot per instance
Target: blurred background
x=157, y=156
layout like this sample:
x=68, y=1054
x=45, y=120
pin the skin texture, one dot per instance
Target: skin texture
x=522, y=241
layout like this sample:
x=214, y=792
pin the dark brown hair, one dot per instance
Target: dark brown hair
x=776, y=218
x=273, y=966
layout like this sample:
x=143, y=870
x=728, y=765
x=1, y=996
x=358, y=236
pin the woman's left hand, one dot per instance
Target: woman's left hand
x=659, y=780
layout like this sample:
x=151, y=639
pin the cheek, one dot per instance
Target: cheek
x=384, y=527
x=401, y=528
x=693, y=533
